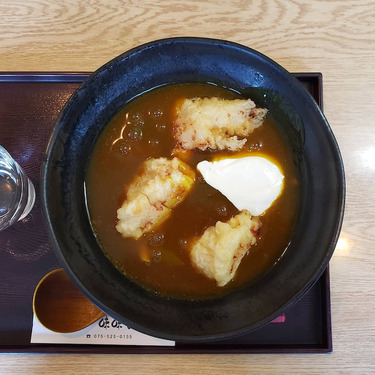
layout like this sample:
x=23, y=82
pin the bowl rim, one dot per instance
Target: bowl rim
x=54, y=135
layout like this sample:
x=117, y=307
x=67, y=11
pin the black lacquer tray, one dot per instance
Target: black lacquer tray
x=29, y=106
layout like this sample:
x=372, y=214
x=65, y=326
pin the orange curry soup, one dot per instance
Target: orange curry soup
x=143, y=129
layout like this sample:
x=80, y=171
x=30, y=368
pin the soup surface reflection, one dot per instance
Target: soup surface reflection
x=143, y=129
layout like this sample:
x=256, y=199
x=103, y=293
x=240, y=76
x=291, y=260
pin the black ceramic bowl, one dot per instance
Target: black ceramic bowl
x=315, y=150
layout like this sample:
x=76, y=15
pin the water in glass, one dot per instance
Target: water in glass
x=17, y=193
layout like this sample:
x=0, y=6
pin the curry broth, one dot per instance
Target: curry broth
x=143, y=129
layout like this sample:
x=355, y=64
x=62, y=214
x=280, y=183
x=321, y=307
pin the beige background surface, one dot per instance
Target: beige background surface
x=336, y=38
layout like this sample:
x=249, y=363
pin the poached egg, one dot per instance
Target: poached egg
x=252, y=182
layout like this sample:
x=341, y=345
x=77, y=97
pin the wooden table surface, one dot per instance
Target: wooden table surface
x=336, y=38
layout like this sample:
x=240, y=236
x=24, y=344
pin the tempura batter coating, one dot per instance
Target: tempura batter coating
x=220, y=249
x=215, y=123
x=161, y=185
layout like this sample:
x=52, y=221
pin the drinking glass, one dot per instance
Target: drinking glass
x=17, y=193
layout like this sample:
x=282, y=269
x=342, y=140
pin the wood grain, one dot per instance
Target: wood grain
x=334, y=37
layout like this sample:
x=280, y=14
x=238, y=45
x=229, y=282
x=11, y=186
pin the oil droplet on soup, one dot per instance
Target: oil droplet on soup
x=159, y=260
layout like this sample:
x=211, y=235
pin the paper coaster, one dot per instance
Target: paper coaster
x=106, y=331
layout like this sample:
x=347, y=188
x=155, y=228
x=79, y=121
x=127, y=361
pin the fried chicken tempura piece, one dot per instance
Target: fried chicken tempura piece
x=219, y=251
x=161, y=185
x=215, y=123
